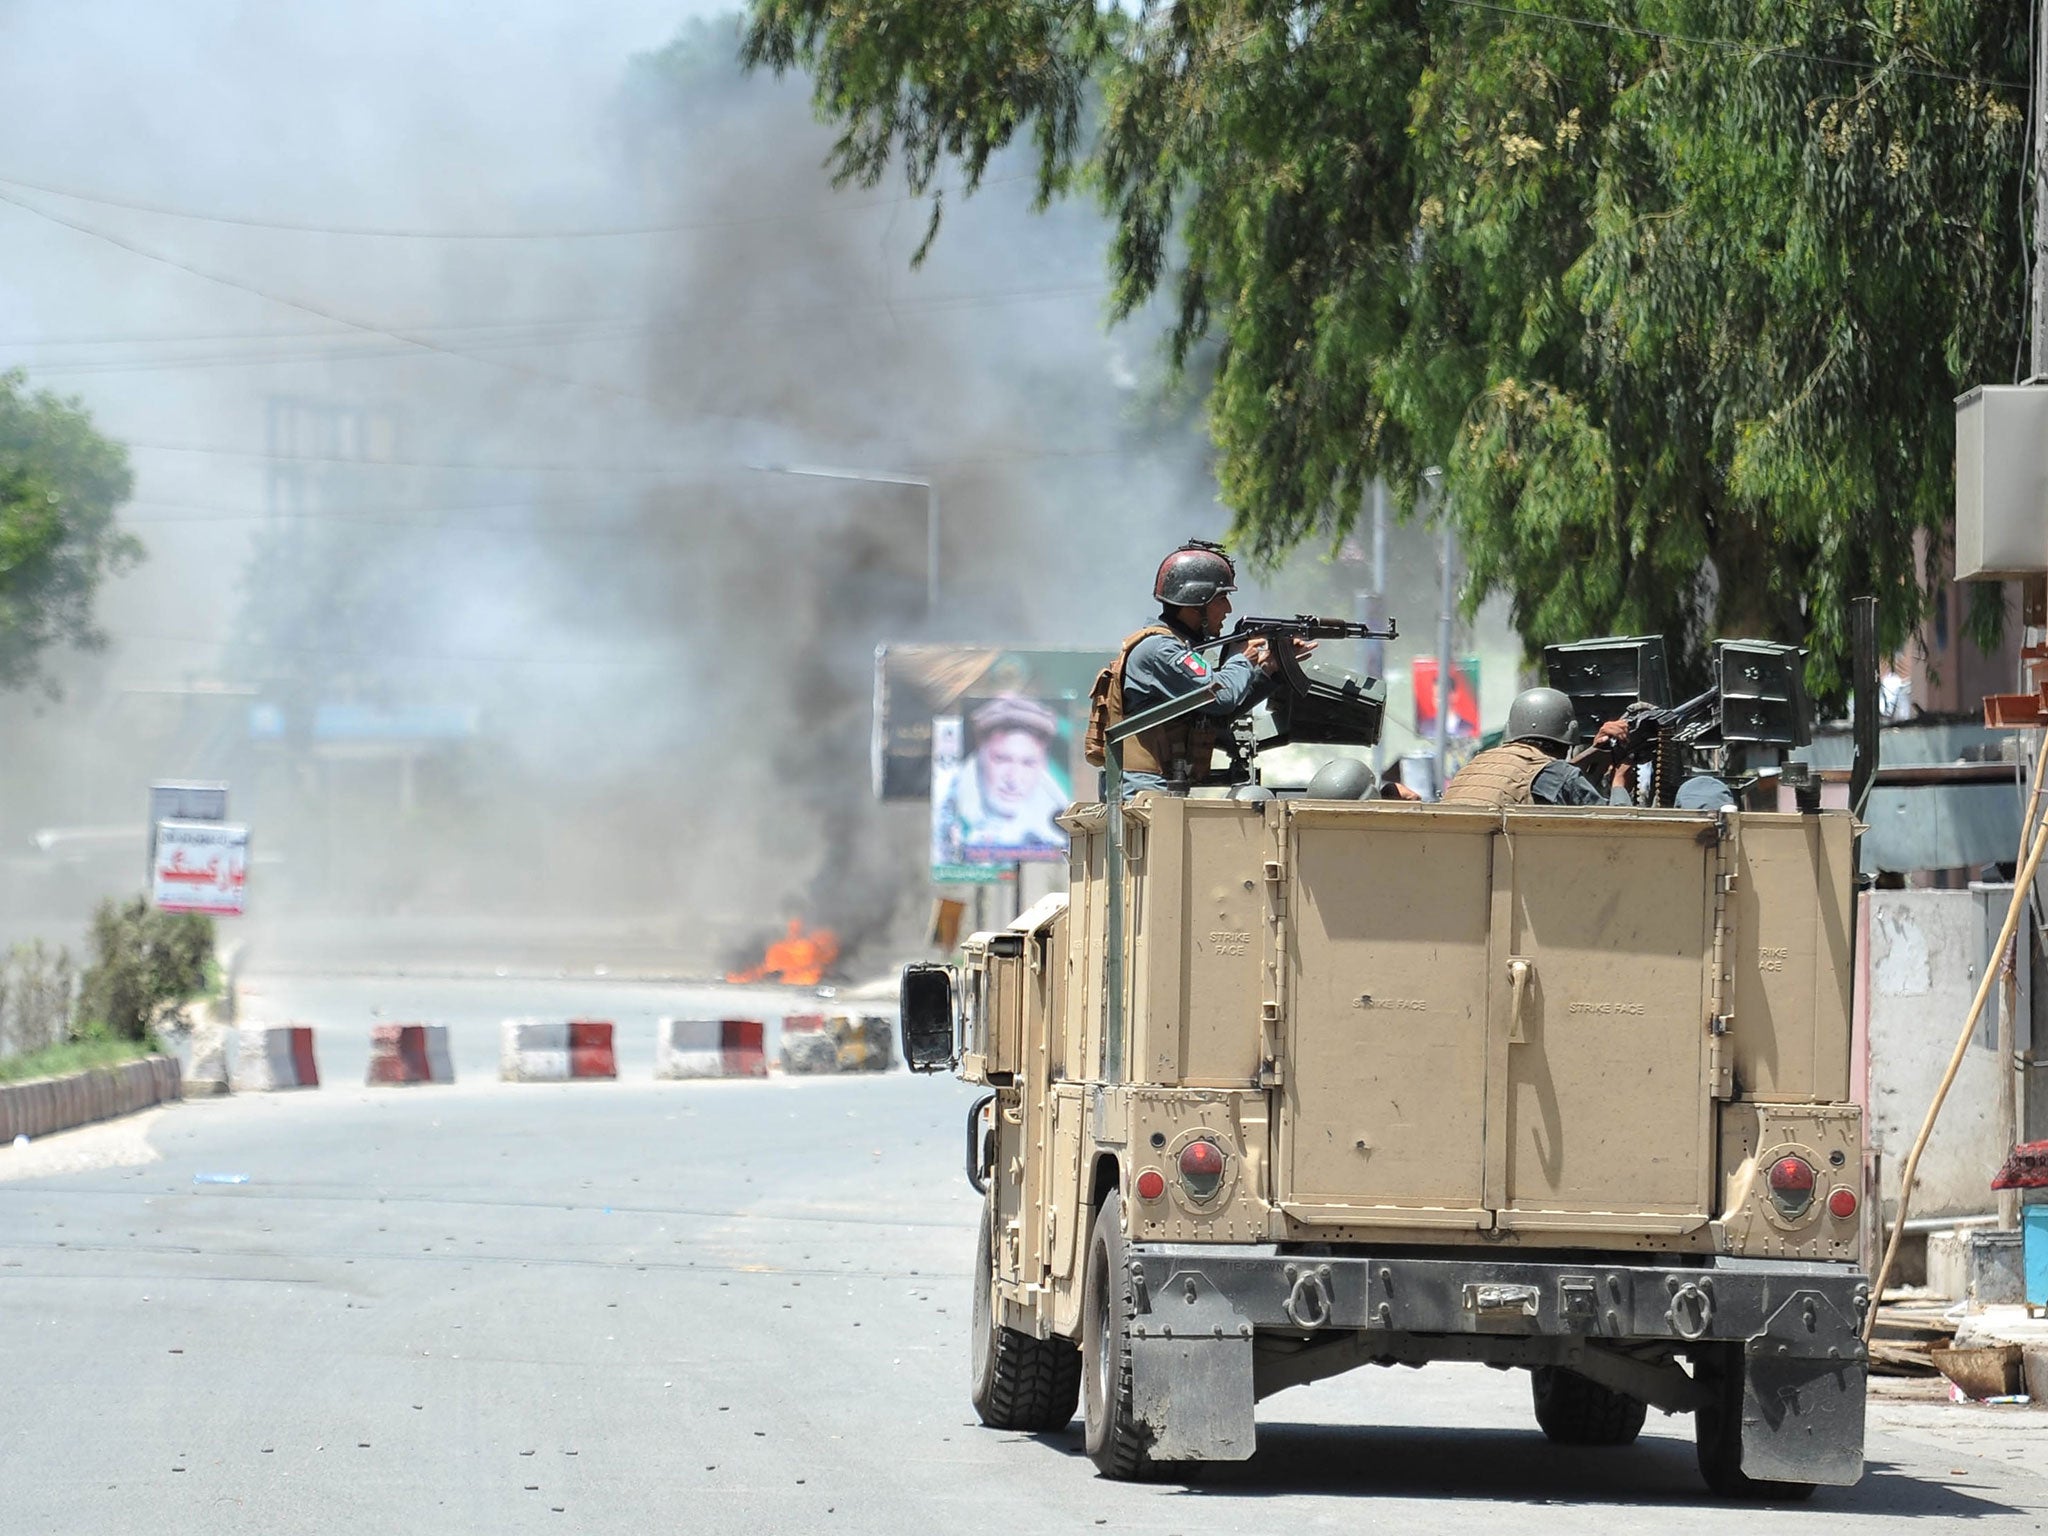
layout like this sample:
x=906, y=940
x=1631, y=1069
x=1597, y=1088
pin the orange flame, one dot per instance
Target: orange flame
x=799, y=959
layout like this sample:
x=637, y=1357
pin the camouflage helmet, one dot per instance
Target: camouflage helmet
x=1193, y=575
x=1543, y=714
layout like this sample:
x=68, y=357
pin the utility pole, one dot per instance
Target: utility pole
x=1447, y=561
x=2011, y=1089
x=1379, y=588
x=2039, y=364
x=1372, y=606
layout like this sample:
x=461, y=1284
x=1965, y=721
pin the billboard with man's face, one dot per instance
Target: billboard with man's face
x=1002, y=770
x=916, y=684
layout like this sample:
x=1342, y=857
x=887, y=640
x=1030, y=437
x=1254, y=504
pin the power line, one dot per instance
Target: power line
x=566, y=232
x=652, y=658
x=702, y=470
x=315, y=310
x=514, y=335
x=501, y=467
x=593, y=324
x=1736, y=46
x=206, y=510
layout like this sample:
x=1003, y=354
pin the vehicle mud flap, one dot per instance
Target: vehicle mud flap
x=1191, y=1373
x=1802, y=1397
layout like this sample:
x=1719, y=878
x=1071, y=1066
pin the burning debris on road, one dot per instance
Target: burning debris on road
x=801, y=958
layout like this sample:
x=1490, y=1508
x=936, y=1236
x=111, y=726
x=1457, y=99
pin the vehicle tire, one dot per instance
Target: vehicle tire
x=1717, y=1432
x=1018, y=1382
x=1573, y=1410
x=1116, y=1443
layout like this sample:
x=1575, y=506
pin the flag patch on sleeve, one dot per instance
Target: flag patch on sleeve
x=1195, y=664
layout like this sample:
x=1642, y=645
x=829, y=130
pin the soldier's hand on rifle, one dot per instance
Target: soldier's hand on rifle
x=1259, y=653
x=1613, y=735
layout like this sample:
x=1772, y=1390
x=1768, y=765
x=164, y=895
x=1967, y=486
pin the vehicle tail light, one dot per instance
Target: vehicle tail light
x=1151, y=1185
x=1791, y=1181
x=1842, y=1203
x=1201, y=1167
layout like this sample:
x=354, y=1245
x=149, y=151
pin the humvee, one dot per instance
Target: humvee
x=1282, y=1087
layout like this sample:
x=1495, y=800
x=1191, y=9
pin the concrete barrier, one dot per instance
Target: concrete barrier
x=860, y=1042
x=268, y=1058
x=807, y=1047
x=710, y=1048
x=409, y=1053
x=45, y=1105
x=531, y=1051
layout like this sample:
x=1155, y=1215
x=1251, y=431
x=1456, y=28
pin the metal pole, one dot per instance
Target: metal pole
x=1444, y=663
x=2008, y=1090
x=1376, y=615
x=2039, y=362
x=1863, y=701
x=931, y=548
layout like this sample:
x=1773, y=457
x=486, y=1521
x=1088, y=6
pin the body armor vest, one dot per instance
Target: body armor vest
x=1183, y=751
x=1499, y=777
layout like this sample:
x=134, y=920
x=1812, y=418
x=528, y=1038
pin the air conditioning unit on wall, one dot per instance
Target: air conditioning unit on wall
x=2002, y=482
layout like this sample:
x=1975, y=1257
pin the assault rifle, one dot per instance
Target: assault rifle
x=1329, y=705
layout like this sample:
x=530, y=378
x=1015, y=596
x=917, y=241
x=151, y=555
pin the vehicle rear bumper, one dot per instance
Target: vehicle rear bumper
x=1782, y=1336
x=1810, y=1310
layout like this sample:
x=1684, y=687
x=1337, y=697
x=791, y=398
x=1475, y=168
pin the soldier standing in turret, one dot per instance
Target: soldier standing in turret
x=1159, y=662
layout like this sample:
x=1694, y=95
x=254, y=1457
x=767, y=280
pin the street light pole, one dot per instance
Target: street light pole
x=878, y=477
x=1446, y=614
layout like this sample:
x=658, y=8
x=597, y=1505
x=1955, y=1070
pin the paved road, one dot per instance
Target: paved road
x=643, y=1307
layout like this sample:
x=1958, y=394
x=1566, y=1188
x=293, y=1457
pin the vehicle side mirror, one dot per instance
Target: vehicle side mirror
x=926, y=1003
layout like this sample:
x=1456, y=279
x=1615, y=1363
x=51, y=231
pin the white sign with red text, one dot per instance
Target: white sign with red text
x=201, y=866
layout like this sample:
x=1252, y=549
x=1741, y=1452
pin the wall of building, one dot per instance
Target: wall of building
x=1925, y=954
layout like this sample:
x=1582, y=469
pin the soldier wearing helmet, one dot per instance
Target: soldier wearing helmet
x=1530, y=766
x=1159, y=662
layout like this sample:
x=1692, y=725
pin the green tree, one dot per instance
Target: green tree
x=60, y=483
x=1677, y=291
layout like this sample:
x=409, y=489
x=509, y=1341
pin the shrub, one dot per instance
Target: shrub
x=141, y=958
x=35, y=997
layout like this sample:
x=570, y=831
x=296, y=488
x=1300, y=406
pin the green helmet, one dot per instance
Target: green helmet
x=1543, y=714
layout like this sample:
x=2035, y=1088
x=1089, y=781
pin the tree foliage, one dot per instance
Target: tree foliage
x=60, y=483
x=1678, y=292
x=141, y=959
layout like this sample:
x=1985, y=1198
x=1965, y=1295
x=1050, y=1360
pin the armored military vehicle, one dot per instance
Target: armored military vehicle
x=1283, y=1087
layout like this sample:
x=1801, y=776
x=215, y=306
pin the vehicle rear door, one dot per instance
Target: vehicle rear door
x=1383, y=952
x=1603, y=939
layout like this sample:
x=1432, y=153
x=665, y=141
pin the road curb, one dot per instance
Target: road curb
x=43, y=1106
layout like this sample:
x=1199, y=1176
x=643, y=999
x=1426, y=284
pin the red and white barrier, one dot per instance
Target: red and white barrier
x=710, y=1048
x=409, y=1053
x=536, y=1052
x=267, y=1059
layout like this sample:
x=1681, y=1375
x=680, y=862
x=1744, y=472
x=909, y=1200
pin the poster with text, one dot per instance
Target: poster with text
x=200, y=866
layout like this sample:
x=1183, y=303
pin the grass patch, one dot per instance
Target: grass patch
x=72, y=1056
